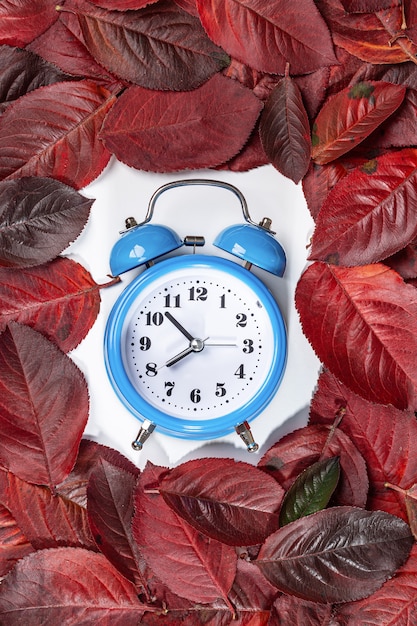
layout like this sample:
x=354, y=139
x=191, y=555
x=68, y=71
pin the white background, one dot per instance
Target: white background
x=121, y=192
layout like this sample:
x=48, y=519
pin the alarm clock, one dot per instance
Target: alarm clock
x=196, y=345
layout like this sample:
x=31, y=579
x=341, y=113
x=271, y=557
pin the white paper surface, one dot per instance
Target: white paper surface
x=121, y=192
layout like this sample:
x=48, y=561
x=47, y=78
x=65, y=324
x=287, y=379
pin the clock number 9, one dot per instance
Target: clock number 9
x=144, y=343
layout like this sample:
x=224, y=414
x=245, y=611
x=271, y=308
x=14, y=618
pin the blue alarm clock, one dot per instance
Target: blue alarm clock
x=196, y=345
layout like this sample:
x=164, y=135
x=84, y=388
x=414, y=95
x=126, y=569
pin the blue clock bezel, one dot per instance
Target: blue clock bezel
x=185, y=428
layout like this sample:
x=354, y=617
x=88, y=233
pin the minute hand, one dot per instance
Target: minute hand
x=180, y=327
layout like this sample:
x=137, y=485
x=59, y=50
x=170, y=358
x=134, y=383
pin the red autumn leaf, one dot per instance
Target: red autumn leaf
x=40, y=388
x=394, y=604
x=123, y=5
x=251, y=155
x=372, y=37
x=362, y=324
x=68, y=585
x=350, y=116
x=410, y=500
x=268, y=36
x=188, y=5
x=13, y=543
x=285, y=130
x=291, y=611
x=191, y=565
x=62, y=142
x=22, y=71
x=369, y=215
x=47, y=519
x=231, y=502
x=298, y=450
x=90, y=455
x=110, y=511
x=340, y=554
x=405, y=261
x=60, y=46
x=368, y=6
x=384, y=435
x=175, y=131
x=21, y=22
x=159, y=47
x=39, y=218
x=59, y=299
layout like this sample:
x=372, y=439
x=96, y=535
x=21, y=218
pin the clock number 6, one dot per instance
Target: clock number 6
x=195, y=396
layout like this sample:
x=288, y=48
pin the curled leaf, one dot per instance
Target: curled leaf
x=311, y=490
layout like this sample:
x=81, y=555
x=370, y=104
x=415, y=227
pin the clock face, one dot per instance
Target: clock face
x=197, y=345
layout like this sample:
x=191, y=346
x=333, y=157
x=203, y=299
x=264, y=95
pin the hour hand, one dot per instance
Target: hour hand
x=180, y=327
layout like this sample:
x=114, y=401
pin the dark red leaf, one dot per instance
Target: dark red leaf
x=232, y=502
x=191, y=565
x=22, y=71
x=362, y=323
x=123, y=5
x=340, y=554
x=291, y=611
x=385, y=436
x=59, y=45
x=252, y=155
x=46, y=519
x=159, y=47
x=39, y=218
x=350, y=116
x=295, y=452
x=188, y=5
x=175, y=131
x=40, y=388
x=394, y=604
x=59, y=299
x=68, y=586
x=110, y=511
x=62, y=142
x=285, y=130
x=21, y=22
x=13, y=543
x=368, y=6
x=369, y=215
x=405, y=261
x=268, y=36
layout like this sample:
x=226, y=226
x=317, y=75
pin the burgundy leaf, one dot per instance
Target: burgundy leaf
x=71, y=586
x=40, y=388
x=190, y=564
x=62, y=142
x=369, y=215
x=394, y=604
x=175, y=131
x=159, y=47
x=268, y=36
x=110, y=511
x=13, y=543
x=251, y=590
x=230, y=501
x=46, y=519
x=404, y=262
x=22, y=71
x=384, y=435
x=362, y=323
x=123, y=5
x=21, y=22
x=351, y=115
x=59, y=299
x=285, y=130
x=291, y=611
x=340, y=554
x=39, y=218
x=188, y=5
x=298, y=450
x=368, y=6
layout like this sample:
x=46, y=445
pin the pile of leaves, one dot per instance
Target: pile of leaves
x=321, y=531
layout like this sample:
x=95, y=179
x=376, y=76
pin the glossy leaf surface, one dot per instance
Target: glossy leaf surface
x=21, y=22
x=229, y=501
x=59, y=299
x=285, y=130
x=199, y=124
x=13, y=543
x=159, y=47
x=40, y=386
x=348, y=117
x=39, y=218
x=353, y=551
x=268, y=36
x=364, y=329
x=369, y=215
x=58, y=135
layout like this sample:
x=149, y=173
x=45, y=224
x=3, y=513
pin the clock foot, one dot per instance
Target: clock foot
x=245, y=433
x=146, y=430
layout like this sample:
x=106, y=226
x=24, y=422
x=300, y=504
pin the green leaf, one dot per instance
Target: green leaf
x=311, y=490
